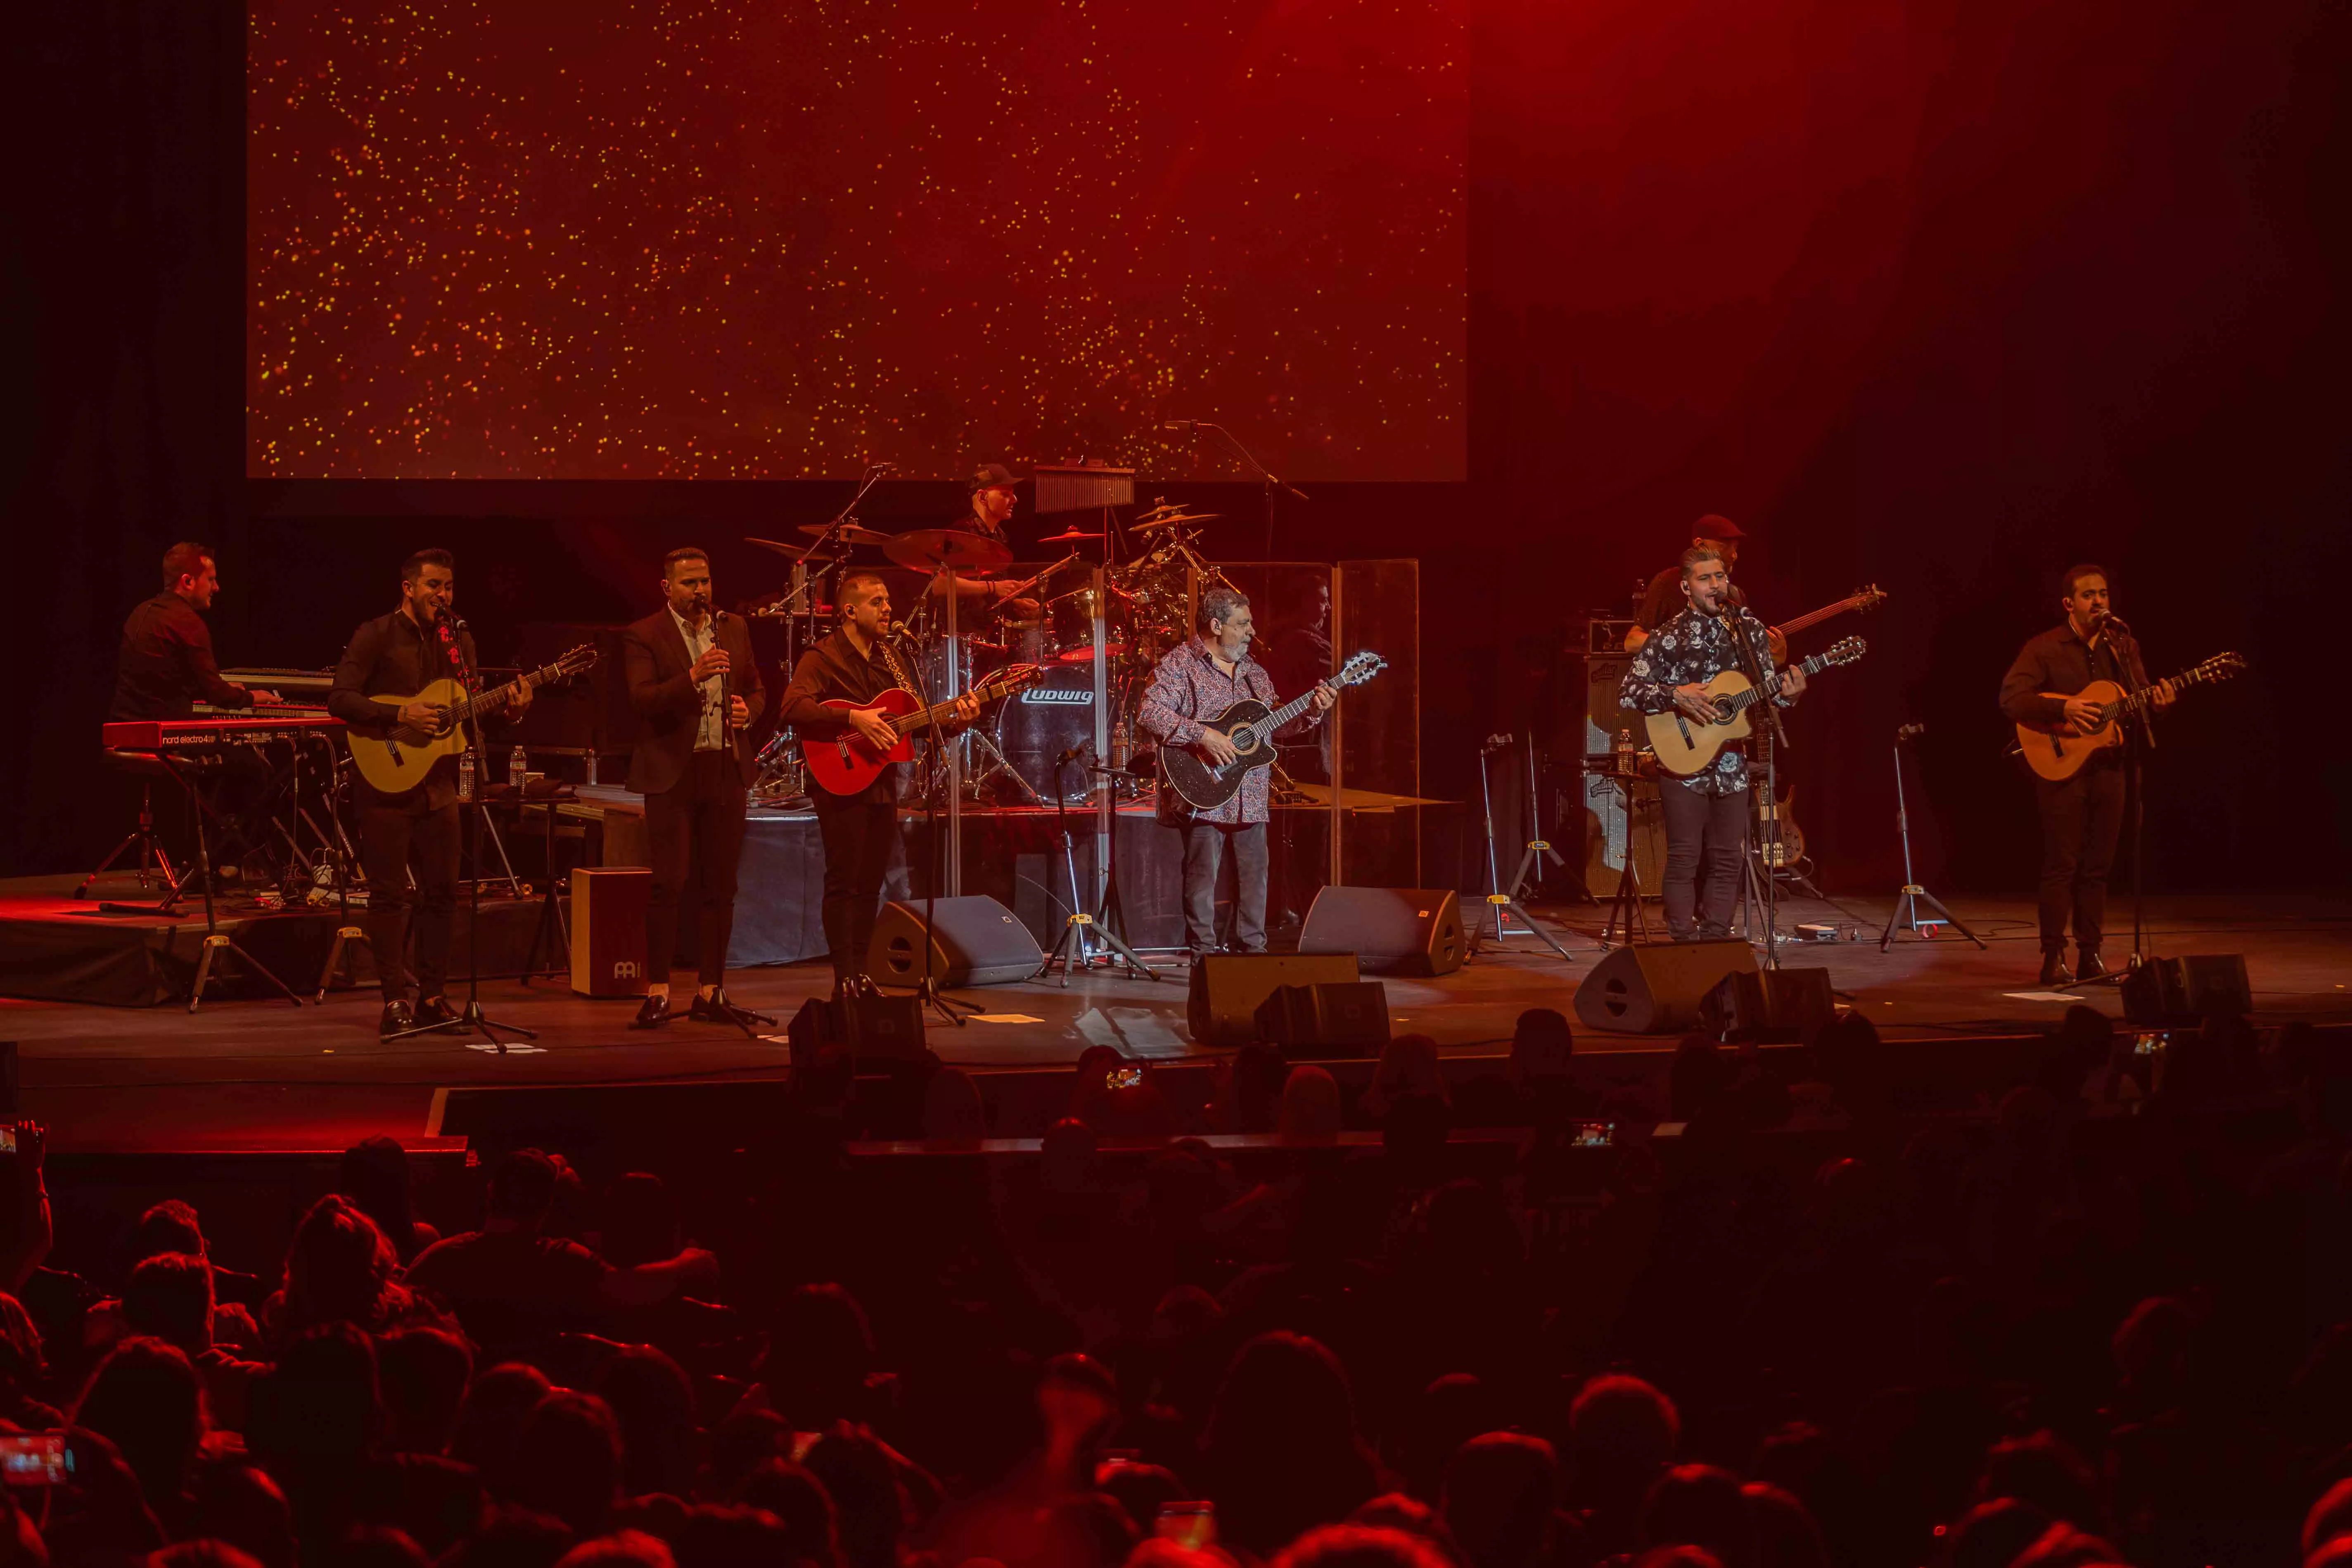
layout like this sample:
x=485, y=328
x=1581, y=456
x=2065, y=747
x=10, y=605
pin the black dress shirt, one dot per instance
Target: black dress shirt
x=165, y=665
x=834, y=671
x=2059, y=660
x=391, y=656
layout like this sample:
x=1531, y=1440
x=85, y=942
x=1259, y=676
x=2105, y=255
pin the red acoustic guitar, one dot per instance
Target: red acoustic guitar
x=847, y=761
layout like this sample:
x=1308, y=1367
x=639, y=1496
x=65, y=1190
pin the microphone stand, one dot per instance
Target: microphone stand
x=1906, y=915
x=1760, y=894
x=927, y=989
x=741, y=1017
x=2124, y=646
x=473, y=1019
x=1274, y=485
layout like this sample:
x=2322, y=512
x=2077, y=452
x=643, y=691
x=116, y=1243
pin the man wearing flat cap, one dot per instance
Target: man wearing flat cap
x=1664, y=599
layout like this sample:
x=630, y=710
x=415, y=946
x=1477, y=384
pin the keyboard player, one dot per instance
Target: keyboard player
x=165, y=665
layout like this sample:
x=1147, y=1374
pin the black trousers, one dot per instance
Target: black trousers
x=2082, y=818
x=856, y=831
x=696, y=824
x=1706, y=836
x=396, y=839
x=1206, y=844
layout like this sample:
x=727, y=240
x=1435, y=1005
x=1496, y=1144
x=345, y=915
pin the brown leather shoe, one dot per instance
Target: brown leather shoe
x=2054, y=971
x=2089, y=965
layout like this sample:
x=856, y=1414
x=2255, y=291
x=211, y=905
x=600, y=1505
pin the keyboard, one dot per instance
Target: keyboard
x=281, y=682
x=201, y=734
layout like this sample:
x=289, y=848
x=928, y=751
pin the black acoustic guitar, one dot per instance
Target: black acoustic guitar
x=1251, y=727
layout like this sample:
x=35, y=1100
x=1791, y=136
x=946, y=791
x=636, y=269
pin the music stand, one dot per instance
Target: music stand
x=1626, y=916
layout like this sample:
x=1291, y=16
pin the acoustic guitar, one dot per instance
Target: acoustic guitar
x=1251, y=727
x=399, y=759
x=1685, y=746
x=2061, y=750
x=845, y=762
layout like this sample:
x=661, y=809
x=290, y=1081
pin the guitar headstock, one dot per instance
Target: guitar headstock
x=1868, y=598
x=1845, y=650
x=1013, y=678
x=1360, y=667
x=2220, y=667
x=577, y=661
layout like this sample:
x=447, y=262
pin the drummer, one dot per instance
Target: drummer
x=995, y=494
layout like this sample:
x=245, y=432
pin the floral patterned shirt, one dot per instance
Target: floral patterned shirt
x=1692, y=649
x=1187, y=687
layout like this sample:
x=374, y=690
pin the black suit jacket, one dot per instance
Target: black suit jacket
x=670, y=706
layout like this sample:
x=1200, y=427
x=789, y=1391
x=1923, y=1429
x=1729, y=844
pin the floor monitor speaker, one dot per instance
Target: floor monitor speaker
x=1392, y=931
x=2188, y=990
x=1655, y=988
x=1779, y=1006
x=875, y=1028
x=1222, y=1009
x=1312, y=1023
x=975, y=941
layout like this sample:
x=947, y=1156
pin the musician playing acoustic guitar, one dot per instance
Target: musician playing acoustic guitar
x=417, y=828
x=855, y=664
x=2082, y=816
x=1707, y=812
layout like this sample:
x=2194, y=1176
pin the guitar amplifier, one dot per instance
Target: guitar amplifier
x=608, y=930
x=1604, y=716
x=1615, y=826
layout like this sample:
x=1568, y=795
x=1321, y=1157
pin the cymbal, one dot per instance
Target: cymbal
x=853, y=532
x=1173, y=516
x=777, y=545
x=1066, y=538
x=932, y=549
x=771, y=612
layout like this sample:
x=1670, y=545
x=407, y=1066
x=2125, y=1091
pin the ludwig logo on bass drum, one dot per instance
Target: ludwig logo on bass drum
x=1079, y=697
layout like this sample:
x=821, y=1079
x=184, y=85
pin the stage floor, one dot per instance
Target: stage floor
x=249, y=1074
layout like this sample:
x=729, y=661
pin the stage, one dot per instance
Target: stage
x=254, y=1074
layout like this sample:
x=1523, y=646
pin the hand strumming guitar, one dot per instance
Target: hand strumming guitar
x=2083, y=713
x=1695, y=704
x=427, y=717
x=1216, y=748
x=875, y=725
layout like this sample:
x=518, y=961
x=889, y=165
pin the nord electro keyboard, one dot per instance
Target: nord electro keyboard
x=200, y=734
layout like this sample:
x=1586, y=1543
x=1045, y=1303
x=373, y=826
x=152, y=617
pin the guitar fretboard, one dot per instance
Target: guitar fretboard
x=1772, y=686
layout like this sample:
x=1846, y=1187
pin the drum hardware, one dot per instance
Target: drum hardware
x=947, y=549
x=1066, y=537
x=850, y=533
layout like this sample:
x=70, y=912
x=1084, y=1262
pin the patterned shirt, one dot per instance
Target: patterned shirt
x=1188, y=686
x=1693, y=649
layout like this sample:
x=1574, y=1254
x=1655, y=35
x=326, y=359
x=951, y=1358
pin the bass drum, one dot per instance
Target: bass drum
x=1038, y=723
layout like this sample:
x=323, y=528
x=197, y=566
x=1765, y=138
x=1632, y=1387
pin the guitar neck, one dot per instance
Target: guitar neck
x=500, y=695
x=924, y=718
x=1815, y=617
x=1772, y=686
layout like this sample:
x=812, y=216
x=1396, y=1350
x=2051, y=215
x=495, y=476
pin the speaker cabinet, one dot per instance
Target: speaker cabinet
x=2188, y=990
x=975, y=941
x=1392, y=931
x=608, y=930
x=1655, y=989
x=1604, y=714
x=1221, y=1007
x=875, y=1028
x=1616, y=825
x=1312, y=1023
x=1772, y=1005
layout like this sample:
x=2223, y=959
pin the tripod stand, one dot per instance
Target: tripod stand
x=1905, y=915
x=1531, y=859
x=1627, y=922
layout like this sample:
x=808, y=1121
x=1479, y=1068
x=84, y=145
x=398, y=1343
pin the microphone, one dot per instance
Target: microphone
x=2116, y=621
x=1181, y=424
x=1910, y=731
x=1495, y=743
x=1082, y=749
x=897, y=631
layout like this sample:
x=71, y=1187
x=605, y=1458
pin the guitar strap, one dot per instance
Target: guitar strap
x=898, y=670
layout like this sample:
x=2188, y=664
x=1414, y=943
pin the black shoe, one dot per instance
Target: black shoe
x=398, y=1019
x=711, y=1009
x=2054, y=971
x=2090, y=965
x=844, y=987
x=434, y=1013
x=862, y=984
x=652, y=1015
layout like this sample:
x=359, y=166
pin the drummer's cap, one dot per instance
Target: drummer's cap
x=990, y=477
x=1716, y=526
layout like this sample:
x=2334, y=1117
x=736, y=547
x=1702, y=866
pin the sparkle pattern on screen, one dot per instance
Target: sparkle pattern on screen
x=734, y=240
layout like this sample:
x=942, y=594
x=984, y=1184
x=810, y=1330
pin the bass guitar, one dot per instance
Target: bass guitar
x=1251, y=727
x=1685, y=746
x=399, y=759
x=2061, y=750
x=845, y=762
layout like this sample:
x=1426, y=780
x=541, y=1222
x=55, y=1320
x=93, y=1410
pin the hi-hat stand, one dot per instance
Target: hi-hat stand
x=1906, y=915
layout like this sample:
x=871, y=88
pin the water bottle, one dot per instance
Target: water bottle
x=1120, y=748
x=518, y=765
x=1626, y=753
x=466, y=773
x=591, y=766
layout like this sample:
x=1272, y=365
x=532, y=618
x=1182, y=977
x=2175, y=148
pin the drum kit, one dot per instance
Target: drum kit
x=974, y=616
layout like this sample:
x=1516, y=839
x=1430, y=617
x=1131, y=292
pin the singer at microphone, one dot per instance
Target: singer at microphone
x=2050, y=686
x=695, y=688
